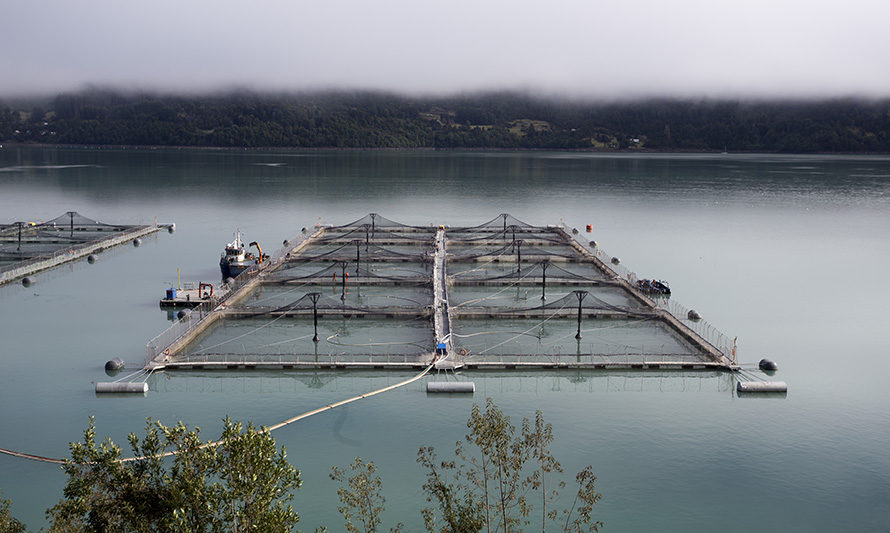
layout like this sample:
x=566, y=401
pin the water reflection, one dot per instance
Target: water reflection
x=487, y=382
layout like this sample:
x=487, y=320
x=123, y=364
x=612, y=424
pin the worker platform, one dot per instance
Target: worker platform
x=27, y=248
x=378, y=294
x=187, y=294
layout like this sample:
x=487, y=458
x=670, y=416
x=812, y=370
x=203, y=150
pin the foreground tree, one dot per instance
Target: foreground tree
x=8, y=523
x=360, y=496
x=499, y=477
x=240, y=483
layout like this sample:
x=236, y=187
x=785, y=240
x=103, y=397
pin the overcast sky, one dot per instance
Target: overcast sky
x=579, y=48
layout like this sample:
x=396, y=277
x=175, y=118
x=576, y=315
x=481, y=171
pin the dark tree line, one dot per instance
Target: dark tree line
x=483, y=121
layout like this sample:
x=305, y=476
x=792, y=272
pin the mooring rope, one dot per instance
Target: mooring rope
x=32, y=457
x=262, y=430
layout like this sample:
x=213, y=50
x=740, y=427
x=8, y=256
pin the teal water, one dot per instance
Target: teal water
x=789, y=253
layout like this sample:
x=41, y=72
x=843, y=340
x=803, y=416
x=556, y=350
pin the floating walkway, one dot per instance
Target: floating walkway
x=27, y=248
x=378, y=294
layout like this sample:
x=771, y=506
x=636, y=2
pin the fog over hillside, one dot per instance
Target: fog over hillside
x=576, y=48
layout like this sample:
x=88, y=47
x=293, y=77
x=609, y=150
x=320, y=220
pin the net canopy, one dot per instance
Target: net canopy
x=575, y=300
x=532, y=272
x=334, y=273
x=317, y=301
x=78, y=220
x=375, y=222
x=519, y=249
x=361, y=251
x=502, y=221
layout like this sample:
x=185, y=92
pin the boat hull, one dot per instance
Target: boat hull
x=232, y=269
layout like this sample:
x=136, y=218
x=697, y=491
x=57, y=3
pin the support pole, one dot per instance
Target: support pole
x=314, y=296
x=358, y=255
x=544, y=264
x=519, y=256
x=343, y=265
x=580, y=295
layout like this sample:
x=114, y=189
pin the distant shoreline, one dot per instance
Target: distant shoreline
x=429, y=149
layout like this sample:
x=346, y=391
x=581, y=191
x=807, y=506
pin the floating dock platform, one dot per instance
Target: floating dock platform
x=187, y=295
x=378, y=294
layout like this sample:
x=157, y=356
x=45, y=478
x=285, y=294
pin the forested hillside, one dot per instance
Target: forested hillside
x=485, y=121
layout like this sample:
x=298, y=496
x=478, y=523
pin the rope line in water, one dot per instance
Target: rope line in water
x=32, y=457
x=262, y=430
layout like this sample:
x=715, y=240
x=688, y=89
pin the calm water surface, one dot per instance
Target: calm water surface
x=789, y=253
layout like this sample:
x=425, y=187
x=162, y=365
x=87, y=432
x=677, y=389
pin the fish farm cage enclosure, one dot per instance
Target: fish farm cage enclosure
x=30, y=247
x=378, y=294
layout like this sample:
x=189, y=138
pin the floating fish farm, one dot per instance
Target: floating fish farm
x=27, y=248
x=378, y=294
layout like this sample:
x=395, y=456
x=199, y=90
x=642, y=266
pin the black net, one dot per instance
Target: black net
x=376, y=222
x=360, y=251
x=502, y=222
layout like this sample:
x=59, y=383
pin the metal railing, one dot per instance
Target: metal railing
x=701, y=328
x=162, y=342
x=43, y=262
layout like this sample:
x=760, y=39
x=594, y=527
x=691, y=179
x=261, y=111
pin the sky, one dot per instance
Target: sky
x=575, y=48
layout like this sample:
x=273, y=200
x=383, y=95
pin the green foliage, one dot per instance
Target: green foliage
x=242, y=483
x=361, y=496
x=459, y=508
x=379, y=120
x=544, y=477
x=499, y=477
x=578, y=517
x=8, y=523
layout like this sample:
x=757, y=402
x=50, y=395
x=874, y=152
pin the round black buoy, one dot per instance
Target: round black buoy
x=766, y=364
x=137, y=242
x=693, y=315
x=593, y=244
x=303, y=230
x=92, y=258
x=28, y=281
x=285, y=243
x=615, y=260
x=183, y=313
x=171, y=228
x=115, y=364
x=574, y=231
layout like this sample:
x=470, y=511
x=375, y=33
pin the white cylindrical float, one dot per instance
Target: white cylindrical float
x=126, y=387
x=451, y=386
x=762, y=386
